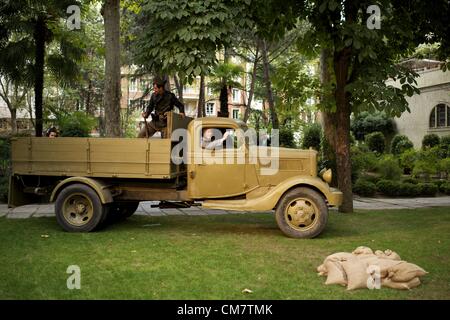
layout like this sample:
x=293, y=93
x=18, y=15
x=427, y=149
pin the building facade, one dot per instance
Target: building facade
x=430, y=110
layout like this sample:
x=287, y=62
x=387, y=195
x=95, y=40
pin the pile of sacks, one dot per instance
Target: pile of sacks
x=365, y=269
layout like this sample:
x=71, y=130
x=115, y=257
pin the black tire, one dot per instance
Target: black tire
x=121, y=210
x=78, y=209
x=302, y=213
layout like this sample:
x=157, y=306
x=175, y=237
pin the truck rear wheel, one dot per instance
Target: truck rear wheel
x=302, y=213
x=79, y=209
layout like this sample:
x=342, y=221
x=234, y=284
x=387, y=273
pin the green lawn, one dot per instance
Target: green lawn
x=215, y=257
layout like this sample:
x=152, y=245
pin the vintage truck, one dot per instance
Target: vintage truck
x=90, y=179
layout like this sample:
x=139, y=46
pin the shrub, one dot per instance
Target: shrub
x=430, y=140
x=408, y=190
x=362, y=161
x=400, y=143
x=77, y=124
x=364, y=188
x=389, y=169
x=444, y=167
x=411, y=180
x=444, y=147
x=311, y=136
x=388, y=187
x=4, y=183
x=366, y=122
x=426, y=164
x=407, y=160
x=427, y=189
x=371, y=178
x=445, y=188
x=287, y=138
x=376, y=142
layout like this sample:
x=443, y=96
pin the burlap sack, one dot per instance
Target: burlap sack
x=339, y=256
x=356, y=272
x=322, y=270
x=388, y=283
x=385, y=264
x=388, y=254
x=362, y=250
x=405, y=271
x=336, y=273
x=368, y=259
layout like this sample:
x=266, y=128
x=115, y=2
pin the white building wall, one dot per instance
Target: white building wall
x=435, y=89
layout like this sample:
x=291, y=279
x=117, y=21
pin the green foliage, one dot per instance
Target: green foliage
x=400, y=143
x=77, y=124
x=445, y=188
x=430, y=140
x=4, y=186
x=365, y=123
x=312, y=136
x=427, y=163
x=408, y=159
x=287, y=138
x=388, y=168
x=184, y=36
x=388, y=187
x=427, y=189
x=364, y=188
x=411, y=180
x=408, y=190
x=444, y=147
x=362, y=161
x=376, y=142
x=444, y=167
x=225, y=74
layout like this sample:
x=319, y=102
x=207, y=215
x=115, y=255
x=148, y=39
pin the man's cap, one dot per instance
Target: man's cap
x=159, y=81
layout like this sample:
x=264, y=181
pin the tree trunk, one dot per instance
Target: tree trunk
x=224, y=102
x=111, y=16
x=88, y=102
x=268, y=84
x=252, y=86
x=40, y=29
x=342, y=146
x=179, y=85
x=201, y=98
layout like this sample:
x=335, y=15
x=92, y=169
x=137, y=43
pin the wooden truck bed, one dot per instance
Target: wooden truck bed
x=93, y=157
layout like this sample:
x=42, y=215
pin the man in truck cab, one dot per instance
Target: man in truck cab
x=161, y=102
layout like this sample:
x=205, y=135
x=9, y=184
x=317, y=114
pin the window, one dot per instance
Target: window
x=144, y=84
x=133, y=85
x=236, y=96
x=440, y=116
x=209, y=109
x=236, y=114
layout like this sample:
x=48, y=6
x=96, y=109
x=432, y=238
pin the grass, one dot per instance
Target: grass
x=215, y=257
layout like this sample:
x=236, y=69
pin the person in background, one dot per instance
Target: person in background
x=52, y=132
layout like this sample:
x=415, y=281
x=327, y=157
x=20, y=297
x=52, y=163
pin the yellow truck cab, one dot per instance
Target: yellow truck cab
x=91, y=178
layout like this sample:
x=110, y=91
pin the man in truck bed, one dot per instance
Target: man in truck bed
x=161, y=102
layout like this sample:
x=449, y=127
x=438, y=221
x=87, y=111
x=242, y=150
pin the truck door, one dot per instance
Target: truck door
x=217, y=171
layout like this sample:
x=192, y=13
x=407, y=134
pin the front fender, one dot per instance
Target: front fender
x=100, y=187
x=269, y=200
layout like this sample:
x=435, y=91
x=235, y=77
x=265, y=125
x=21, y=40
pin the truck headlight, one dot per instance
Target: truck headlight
x=327, y=175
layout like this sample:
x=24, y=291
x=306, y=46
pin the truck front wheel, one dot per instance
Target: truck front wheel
x=302, y=213
x=78, y=209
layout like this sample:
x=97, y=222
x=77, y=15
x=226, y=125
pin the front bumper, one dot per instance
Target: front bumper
x=335, y=197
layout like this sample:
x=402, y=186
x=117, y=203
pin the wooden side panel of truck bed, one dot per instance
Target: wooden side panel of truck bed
x=93, y=157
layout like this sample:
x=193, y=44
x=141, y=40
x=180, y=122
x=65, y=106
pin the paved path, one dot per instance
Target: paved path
x=145, y=208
